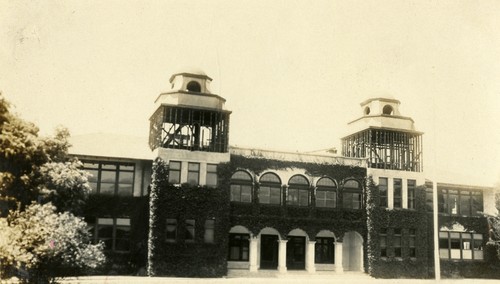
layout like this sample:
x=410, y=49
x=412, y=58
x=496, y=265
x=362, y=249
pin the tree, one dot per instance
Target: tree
x=43, y=239
x=34, y=168
x=42, y=244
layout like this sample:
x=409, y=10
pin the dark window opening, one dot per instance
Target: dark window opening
x=194, y=86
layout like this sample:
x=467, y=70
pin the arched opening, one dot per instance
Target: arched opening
x=326, y=193
x=269, y=248
x=194, y=86
x=352, y=251
x=367, y=110
x=270, y=189
x=239, y=244
x=296, y=250
x=352, y=195
x=387, y=110
x=324, y=250
x=241, y=187
x=298, y=191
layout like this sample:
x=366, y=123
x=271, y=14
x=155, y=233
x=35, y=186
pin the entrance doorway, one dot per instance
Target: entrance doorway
x=269, y=252
x=296, y=253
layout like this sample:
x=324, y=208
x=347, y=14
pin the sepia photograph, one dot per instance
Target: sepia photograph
x=190, y=141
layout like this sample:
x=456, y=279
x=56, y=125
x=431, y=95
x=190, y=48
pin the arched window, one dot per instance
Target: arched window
x=352, y=195
x=387, y=110
x=194, y=86
x=298, y=191
x=241, y=187
x=270, y=189
x=326, y=193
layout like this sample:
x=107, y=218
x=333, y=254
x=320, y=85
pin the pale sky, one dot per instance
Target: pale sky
x=293, y=72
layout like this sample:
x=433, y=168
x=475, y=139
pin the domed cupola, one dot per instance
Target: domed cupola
x=388, y=139
x=189, y=116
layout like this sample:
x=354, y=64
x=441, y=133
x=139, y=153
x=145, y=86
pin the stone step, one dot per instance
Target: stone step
x=240, y=273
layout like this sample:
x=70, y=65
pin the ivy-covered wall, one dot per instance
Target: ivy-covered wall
x=199, y=203
x=255, y=216
x=379, y=218
x=487, y=268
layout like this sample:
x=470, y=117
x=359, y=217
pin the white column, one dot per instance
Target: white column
x=310, y=267
x=253, y=254
x=282, y=256
x=338, y=258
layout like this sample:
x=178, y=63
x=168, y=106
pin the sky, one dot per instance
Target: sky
x=293, y=72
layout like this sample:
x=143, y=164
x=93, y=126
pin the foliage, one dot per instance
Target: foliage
x=32, y=166
x=380, y=217
x=40, y=244
x=183, y=202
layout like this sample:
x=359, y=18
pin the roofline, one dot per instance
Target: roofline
x=380, y=99
x=110, y=158
x=385, y=128
x=200, y=76
x=458, y=186
x=295, y=153
x=385, y=115
x=190, y=93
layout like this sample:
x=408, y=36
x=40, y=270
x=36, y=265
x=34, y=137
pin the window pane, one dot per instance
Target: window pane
x=90, y=165
x=125, y=190
x=189, y=236
x=174, y=165
x=465, y=203
x=303, y=198
x=211, y=179
x=264, y=194
x=171, y=229
x=126, y=167
x=398, y=193
x=298, y=179
x=209, y=231
x=382, y=187
x=275, y=197
x=326, y=182
x=193, y=178
x=126, y=177
x=241, y=175
x=107, y=188
x=195, y=167
x=270, y=177
x=108, y=176
x=108, y=167
x=235, y=192
x=246, y=193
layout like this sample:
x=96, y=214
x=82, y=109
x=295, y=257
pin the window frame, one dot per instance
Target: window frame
x=196, y=172
x=326, y=189
x=383, y=198
x=397, y=193
x=320, y=245
x=96, y=181
x=114, y=235
x=411, y=187
x=448, y=246
x=351, y=192
x=273, y=188
x=211, y=174
x=174, y=170
x=242, y=244
x=237, y=185
x=295, y=193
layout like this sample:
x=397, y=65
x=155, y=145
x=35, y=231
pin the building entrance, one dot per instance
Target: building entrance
x=268, y=252
x=296, y=253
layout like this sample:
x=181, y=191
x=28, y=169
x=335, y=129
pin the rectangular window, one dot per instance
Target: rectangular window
x=460, y=202
x=111, y=178
x=460, y=245
x=382, y=189
x=174, y=172
x=209, y=231
x=412, y=243
x=114, y=232
x=397, y=243
x=193, y=173
x=398, y=193
x=189, y=230
x=428, y=199
x=383, y=242
x=238, y=247
x=412, y=184
x=324, y=250
x=241, y=193
x=269, y=195
x=326, y=198
x=211, y=175
x=171, y=230
x=352, y=200
x=298, y=197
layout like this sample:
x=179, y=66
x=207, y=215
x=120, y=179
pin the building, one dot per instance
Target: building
x=191, y=200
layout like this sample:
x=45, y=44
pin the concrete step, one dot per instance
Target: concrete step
x=240, y=273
